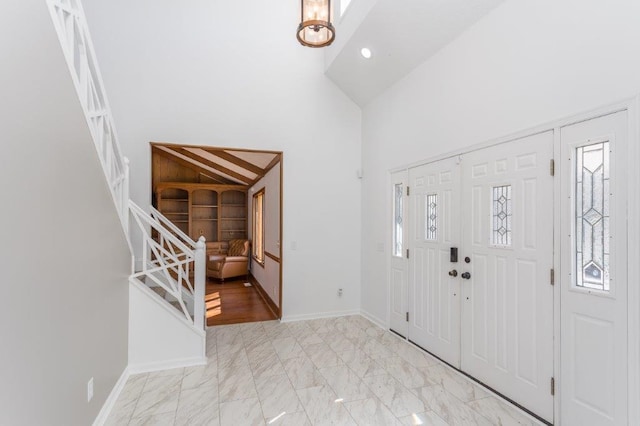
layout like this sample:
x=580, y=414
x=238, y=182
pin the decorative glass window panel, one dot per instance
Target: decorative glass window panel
x=592, y=216
x=398, y=195
x=501, y=216
x=431, y=217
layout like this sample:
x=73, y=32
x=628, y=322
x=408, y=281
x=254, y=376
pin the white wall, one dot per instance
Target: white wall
x=268, y=275
x=524, y=64
x=232, y=74
x=158, y=338
x=64, y=258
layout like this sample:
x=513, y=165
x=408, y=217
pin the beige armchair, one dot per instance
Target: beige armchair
x=227, y=260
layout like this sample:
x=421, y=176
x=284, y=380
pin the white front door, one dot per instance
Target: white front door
x=399, y=263
x=507, y=296
x=594, y=281
x=434, y=294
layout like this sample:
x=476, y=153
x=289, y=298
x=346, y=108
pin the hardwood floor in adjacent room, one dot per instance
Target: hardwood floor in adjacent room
x=231, y=303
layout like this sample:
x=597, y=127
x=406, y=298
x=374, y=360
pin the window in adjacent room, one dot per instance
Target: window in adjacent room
x=258, y=226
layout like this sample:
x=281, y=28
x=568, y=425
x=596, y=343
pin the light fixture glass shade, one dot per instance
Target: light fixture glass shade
x=315, y=29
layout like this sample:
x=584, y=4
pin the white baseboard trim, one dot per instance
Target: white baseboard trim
x=319, y=315
x=374, y=319
x=112, y=398
x=167, y=365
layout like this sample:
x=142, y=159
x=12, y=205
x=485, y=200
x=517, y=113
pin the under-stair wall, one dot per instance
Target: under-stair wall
x=65, y=260
x=166, y=316
x=159, y=335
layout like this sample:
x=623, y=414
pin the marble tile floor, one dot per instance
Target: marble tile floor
x=336, y=371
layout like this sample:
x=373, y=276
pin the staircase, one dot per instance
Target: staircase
x=166, y=297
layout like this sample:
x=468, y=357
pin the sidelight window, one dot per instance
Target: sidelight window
x=592, y=216
x=398, y=194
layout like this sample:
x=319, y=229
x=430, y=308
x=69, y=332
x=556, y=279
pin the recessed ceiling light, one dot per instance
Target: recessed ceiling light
x=365, y=52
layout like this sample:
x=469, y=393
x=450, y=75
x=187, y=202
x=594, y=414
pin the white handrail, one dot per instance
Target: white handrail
x=71, y=26
x=171, y=226
x=140, y=214
x=172, y=259
x=167, y=262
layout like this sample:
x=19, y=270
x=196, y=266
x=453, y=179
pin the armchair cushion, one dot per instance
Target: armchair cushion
x=238, y=248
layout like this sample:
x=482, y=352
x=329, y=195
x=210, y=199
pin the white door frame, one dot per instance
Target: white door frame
x=632, y=106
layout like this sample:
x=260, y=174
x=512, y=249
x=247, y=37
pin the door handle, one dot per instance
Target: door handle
x=466, y=275
x=453, y=273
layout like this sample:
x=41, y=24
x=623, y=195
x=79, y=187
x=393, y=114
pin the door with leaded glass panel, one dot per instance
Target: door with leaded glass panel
x=593, y=361
x=507, y=257
x=434, y=290
x=399, y=263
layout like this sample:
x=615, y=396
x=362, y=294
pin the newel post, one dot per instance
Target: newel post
x=200, y=271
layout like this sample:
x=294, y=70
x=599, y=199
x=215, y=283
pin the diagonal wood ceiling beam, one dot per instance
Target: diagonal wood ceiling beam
x=271, y=165
x=273, y=162
x=237, y=161
x=210, y=164
x=194, y=167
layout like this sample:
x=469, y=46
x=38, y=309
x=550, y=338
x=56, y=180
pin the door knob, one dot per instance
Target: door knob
x=466, y=275
x=453, y=273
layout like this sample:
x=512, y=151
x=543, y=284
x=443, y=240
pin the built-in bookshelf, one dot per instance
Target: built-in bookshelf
x=218, y=212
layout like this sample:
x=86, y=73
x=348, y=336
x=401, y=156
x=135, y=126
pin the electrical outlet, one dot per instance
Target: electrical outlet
x=90, y=390
x=339, y=292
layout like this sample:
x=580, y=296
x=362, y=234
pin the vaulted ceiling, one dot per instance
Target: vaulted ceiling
x=221, y=165
x=401, y=34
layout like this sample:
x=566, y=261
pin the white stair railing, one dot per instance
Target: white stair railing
x=173, y=259
x=167, y=262
x=179, y=233
x=171, y=227
x=71, y=26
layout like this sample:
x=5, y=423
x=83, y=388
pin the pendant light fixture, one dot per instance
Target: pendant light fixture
x=315, y=29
